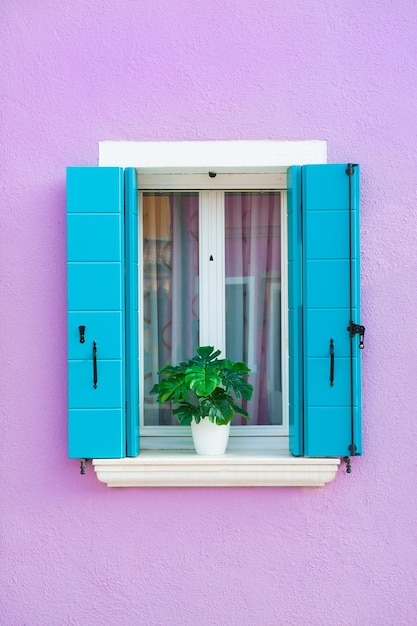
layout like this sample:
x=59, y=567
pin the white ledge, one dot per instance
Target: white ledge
x=184, y=468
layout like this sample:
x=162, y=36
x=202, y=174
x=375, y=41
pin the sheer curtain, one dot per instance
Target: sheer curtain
x=170, y=289
x=253, y=298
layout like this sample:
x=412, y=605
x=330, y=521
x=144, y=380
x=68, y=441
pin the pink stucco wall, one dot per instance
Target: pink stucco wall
x=79, y=71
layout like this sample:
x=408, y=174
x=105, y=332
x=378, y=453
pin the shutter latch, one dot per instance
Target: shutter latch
x=357, y=329
x=82, y=333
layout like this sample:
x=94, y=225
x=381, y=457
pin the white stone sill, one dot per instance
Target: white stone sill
x=240, y=468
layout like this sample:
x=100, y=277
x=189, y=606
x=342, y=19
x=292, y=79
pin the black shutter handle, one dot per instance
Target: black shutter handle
x=331, y=362
x=95, y=379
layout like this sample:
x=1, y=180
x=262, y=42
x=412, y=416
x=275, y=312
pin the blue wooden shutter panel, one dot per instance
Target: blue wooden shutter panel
x=95, y=272
x=132, y=335
x=295, y=320
x=323, y=220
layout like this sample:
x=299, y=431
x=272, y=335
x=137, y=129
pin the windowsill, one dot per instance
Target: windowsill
x=240, y=468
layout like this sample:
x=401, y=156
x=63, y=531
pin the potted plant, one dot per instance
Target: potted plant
x=205, y=390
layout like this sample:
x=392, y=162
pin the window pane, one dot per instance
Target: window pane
x=253, y=298
x=170, y=289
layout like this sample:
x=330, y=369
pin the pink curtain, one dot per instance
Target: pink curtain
x=253, y=297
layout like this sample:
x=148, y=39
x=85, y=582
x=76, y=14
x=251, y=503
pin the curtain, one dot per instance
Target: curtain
x=170, y=289
x=253, y=298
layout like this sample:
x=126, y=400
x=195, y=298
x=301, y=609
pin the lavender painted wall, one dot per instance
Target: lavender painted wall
x=74, y=73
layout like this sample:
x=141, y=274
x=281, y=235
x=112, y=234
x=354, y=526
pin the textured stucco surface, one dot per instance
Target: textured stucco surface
x=74, y=73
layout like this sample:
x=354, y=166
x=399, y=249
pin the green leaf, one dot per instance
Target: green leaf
x=185, y=412
x=203, y=373
x=218, y=407
x=206, y=354
x=172, y=369
x=202, y=380
x=171, y=388
x=241, y=411
x=234, y=376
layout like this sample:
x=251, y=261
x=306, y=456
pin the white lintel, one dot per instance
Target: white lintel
x=176, y=156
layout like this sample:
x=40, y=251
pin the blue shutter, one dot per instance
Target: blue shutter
x=329, y=422
x=132, y=340
x=95, y=253
x=295, y=356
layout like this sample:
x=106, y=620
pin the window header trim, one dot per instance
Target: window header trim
x=204, y=156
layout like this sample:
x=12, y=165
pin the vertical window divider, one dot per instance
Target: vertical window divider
x=212, y=270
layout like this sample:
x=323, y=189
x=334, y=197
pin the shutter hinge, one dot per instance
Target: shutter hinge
x=82, y=466
x=352, y=449
x=357, y=329
x=350, y=168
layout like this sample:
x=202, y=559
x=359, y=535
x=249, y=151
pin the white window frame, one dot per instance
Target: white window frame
x=241, y=468
x=212, y=190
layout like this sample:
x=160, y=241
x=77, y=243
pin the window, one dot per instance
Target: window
x=214, y=261
x=107, y=355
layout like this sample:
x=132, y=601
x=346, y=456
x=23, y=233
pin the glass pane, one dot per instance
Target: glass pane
x=170, y=290
x=253, y=298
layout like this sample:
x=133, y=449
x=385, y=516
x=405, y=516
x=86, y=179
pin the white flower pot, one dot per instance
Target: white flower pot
x=210, y=439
